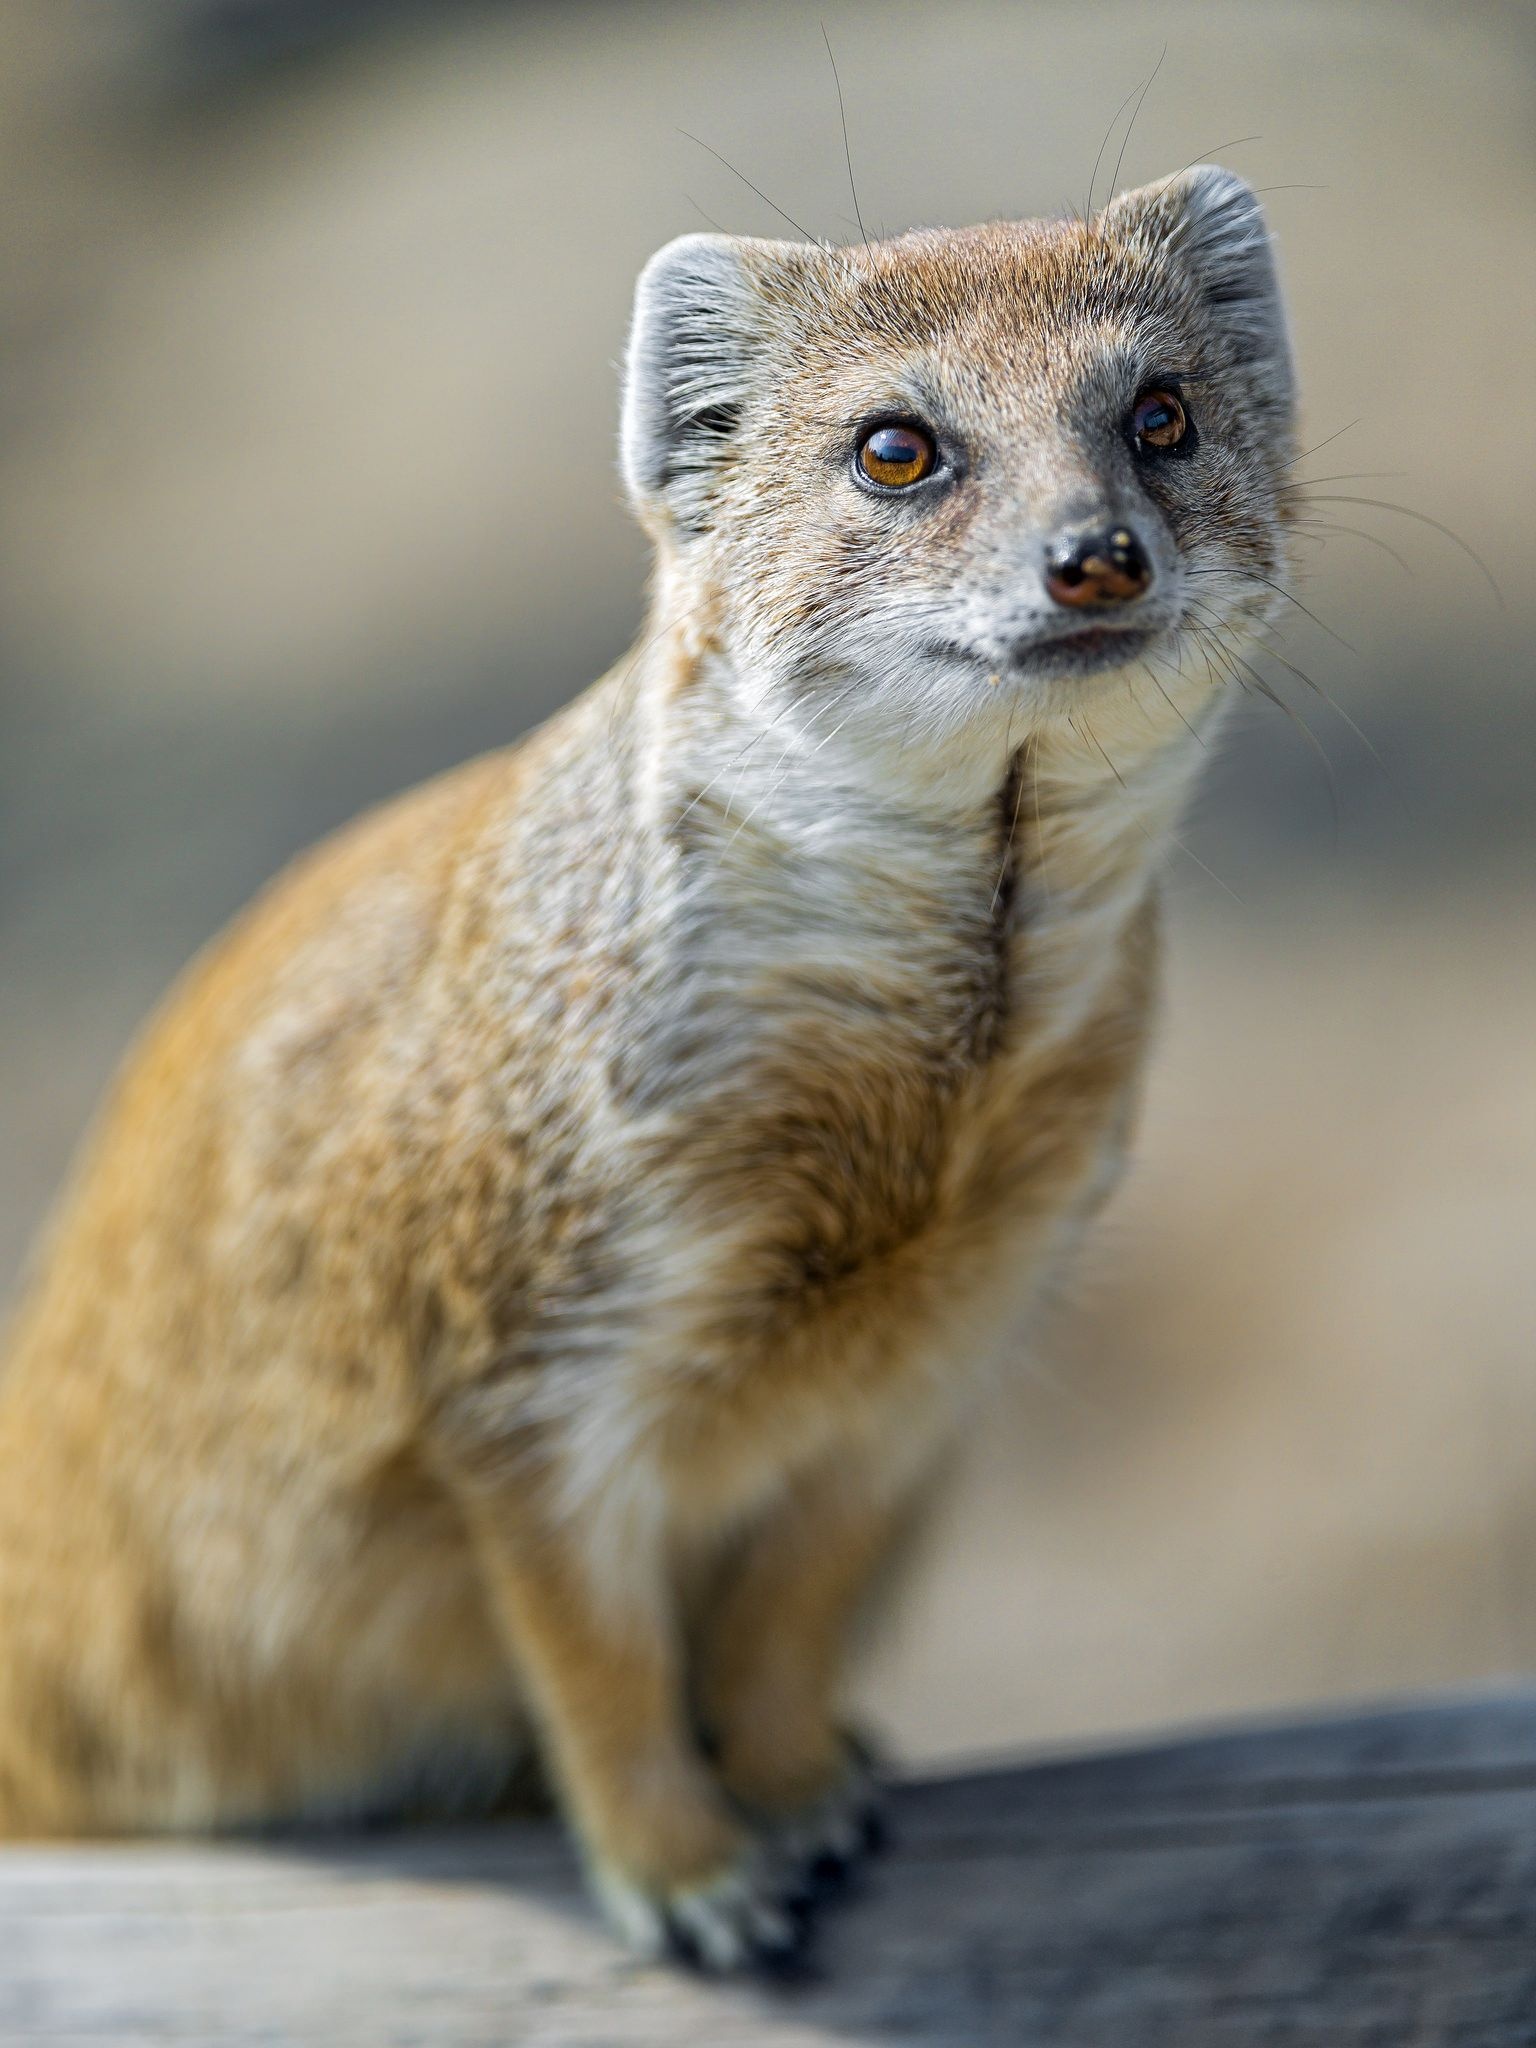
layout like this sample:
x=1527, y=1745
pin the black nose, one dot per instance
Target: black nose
x=1105, y=567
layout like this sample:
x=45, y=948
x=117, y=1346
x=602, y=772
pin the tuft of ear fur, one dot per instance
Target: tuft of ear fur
x=1212, y=220
x=695, y=331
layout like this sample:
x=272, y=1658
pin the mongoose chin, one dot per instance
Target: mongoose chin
x=526, y=1272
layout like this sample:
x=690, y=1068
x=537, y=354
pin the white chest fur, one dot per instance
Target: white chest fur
x=869, y=1097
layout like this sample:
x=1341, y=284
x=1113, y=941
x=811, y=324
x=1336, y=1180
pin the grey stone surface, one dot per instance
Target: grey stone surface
x=1353, y=1882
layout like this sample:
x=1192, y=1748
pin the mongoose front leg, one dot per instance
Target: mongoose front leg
x=604, y=1675
x=770, y=1658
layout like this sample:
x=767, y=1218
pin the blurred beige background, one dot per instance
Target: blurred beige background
x=309, y=314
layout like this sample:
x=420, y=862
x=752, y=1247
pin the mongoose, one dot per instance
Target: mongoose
x=522, y=1278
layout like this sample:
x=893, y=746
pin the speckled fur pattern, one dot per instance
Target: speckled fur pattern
x=526, y=1272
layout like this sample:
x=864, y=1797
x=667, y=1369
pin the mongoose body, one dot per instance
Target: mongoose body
x=524, y=1276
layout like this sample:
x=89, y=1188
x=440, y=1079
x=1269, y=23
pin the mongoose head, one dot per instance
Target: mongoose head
x=931, y=490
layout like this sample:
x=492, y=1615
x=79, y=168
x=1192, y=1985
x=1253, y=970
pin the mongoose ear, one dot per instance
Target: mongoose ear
x=692, y=343
x=1212, y=219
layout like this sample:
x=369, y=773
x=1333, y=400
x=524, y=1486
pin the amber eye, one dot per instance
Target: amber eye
x=896, y=456
x=1159, y=420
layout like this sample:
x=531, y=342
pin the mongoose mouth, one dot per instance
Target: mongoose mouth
x=1065, y=654
x=1084, y=653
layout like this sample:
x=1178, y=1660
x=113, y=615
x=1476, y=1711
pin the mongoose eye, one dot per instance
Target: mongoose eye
x=897, y=456
x=1159, y=420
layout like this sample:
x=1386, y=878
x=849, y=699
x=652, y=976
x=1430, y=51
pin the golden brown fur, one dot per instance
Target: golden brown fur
x=530, y=1263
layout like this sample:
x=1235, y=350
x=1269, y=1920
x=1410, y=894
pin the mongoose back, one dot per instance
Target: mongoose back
x=521, y=1280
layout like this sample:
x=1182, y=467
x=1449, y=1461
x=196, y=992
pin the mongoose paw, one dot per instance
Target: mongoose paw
x=740, y=1919
x=824, y=1843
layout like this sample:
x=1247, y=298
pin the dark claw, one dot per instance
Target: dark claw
x=789, y=1960
x=832, y=1870
x=874, y=1831
x=829, y=1873
x=783, y=1958
x=683, y=1949
x=799, y=1902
